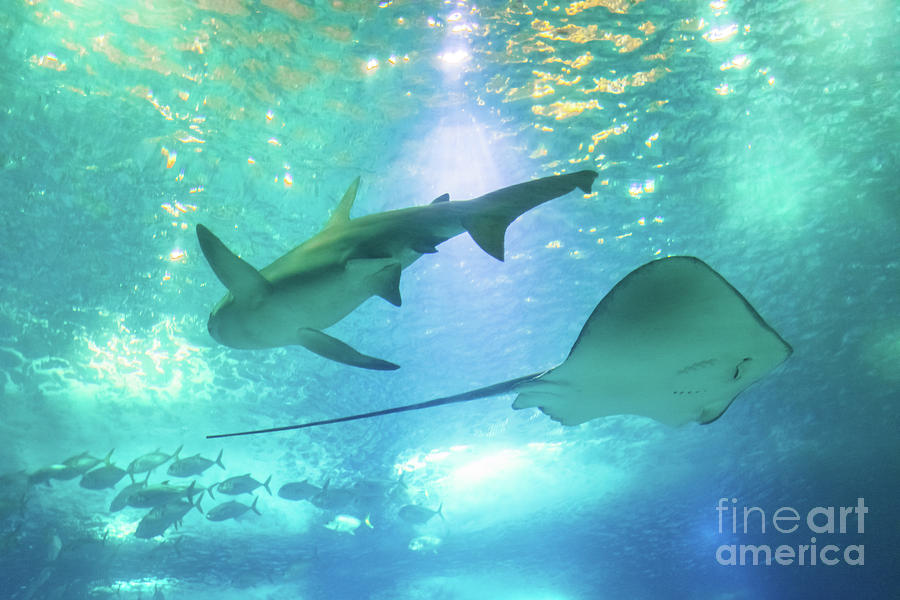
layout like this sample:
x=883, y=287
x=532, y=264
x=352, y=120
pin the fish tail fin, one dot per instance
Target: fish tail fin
x=253, y=506
x=209, y=491
x=197, y=503
x=108, y=458
x=177, y=452
x=190, y=492
x=440, y=513
x=489, y=215
x=266, y=484
x=219, y=458
x=368, y=522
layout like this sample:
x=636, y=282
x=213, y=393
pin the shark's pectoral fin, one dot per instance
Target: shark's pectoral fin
x=242, y=280
x=489, y=231
x=382, y=275
x=334, y=349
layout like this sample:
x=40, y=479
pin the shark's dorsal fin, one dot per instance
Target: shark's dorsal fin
x=341, y=214
x=242, y=280
x=441, y=198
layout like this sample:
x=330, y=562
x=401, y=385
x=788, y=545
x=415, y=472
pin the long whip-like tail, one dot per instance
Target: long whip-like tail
x=484, y=392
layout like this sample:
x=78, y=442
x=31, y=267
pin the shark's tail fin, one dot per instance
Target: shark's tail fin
x=490, y=215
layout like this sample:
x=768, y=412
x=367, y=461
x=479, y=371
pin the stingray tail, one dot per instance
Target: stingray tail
x=503, y=387
x=490, y=215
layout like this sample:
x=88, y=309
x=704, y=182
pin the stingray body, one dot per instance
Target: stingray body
x=324, y=279
x=673, y=341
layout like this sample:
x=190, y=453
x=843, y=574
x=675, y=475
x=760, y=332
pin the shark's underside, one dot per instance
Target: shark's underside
x=325, y=278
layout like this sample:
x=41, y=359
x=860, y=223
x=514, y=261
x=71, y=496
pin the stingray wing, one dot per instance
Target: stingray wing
x=672, y=341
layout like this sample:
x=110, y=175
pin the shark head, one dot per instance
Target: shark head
x=226, y=324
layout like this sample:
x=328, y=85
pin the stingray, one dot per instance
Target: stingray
x=327, y=277
x=673, y=341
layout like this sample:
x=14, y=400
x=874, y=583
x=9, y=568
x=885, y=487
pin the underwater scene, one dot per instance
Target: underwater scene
x=445, y=300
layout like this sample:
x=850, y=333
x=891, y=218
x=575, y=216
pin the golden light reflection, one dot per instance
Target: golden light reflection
x=602, y=135
x=721, y=34
x=565, y=109
x=738, y=62
x=171, y=157
x=620, y=85
x=692, y=25
x=614, y=6
x=48, y=61
x=647, y=28
x=582, y=35
x=176, y=209
x=639, y=188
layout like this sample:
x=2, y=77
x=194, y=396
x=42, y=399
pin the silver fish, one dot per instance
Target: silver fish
x=230, y=510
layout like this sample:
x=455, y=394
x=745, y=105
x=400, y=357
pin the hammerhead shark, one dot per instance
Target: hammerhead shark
x=325, y=278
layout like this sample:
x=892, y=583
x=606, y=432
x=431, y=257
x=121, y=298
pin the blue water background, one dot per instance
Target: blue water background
x=758, y=136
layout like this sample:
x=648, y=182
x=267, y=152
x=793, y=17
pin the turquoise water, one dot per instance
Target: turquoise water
x=758, y=136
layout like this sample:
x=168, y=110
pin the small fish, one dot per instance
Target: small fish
x=230, y=510
x=331, y=498
x=104, y=477
x=158, y=520
x=45, y=474
x=121, y=499
x=419, y=515
x=347, y=524
x=54, y=545
x=150, y=461
x=84, y=462
x=192, y=465
x=242, y=484
x=425, y=543
x=299, y=490
x=161, y=493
